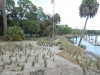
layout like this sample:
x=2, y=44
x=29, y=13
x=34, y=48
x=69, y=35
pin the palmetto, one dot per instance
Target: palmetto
x=88, y=9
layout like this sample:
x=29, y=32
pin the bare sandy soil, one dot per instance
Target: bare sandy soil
x=27, y=58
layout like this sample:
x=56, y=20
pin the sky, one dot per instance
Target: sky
x=69, y=12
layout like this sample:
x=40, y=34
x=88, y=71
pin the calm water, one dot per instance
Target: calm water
x=90, y=47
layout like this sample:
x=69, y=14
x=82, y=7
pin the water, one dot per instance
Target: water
x=98, y=38
x=90, y=47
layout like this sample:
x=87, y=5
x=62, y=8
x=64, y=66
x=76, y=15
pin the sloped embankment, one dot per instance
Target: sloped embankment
x=89, y=63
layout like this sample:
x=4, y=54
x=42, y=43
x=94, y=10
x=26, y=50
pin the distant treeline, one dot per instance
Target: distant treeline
x=89, y=32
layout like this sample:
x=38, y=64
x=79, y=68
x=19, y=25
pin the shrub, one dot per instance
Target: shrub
x=58, y=43
x=15, y=34
x=71, y=41
x=83, y=46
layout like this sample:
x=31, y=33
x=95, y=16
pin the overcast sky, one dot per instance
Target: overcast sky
x=69, y=12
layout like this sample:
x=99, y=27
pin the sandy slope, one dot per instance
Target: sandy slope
x=58, y=66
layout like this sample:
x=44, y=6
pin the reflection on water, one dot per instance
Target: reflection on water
x=90, y=47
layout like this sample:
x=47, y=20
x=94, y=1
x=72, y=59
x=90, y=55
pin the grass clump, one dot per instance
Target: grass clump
x=98, y=63
x=17, y=64
x=43, y=56
x=22, y=67
x=71, y=41
x=33, y=63
x=83, y=46
x=45, y=62
x=10, y=62
x=10, y=56
x=3, y=66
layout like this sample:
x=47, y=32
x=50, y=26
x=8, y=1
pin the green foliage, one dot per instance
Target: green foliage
x=57, y=18
x=58, y=43
x=77, y=31
x=30, y=18
x=86, y=7
x=95, y=32
x=15, y=34
x=26, y=9
x=30, y=26
x=71, y=41
x=64, y=29
x=49, y=29
x=83, y=46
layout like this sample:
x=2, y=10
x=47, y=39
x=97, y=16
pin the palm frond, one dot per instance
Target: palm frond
x=88, y=8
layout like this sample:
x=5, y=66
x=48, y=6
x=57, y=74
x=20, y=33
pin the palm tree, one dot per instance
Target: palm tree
x=4, y=17
x=0, y=3
x=87, y=9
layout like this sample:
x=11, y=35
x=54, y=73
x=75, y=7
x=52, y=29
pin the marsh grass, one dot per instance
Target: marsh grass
x=25, y=51
x=20, y=56
x=53, y=59
x=2, y=59
x=18, y=64
x=16, y=60
x=45, y=62
x=10, y=56
x=3, y=65
x=84, y=71
x=50, y=54
x=21, y=47
x=37, y=60
x=98, y=63
x=33, y=63
x=9, y=46
x=76, y=53
x=22, y=67
x=43, y=56
x=2, y=53
x=10, y=62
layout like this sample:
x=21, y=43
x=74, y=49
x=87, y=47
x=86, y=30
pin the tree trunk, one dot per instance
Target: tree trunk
x=31, y=33
x=4, y=17
x=83, y=31
x=0, y=3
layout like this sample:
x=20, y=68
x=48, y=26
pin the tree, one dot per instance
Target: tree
x=26, y=10
x=64, y=29
x=87, y=9
x=10, y=4
x=42, y=30
x=11, y=13
x=40, y=13
x=30, y=26
x=57, y=18
x=4, y=17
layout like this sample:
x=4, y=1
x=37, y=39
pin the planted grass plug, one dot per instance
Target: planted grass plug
x=22, y=67
x=45, y=62
x=3, y=65
x=33, y=63
x=98, y=63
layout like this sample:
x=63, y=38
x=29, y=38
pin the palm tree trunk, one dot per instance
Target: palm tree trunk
x=83, y=31
x=4, y=17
